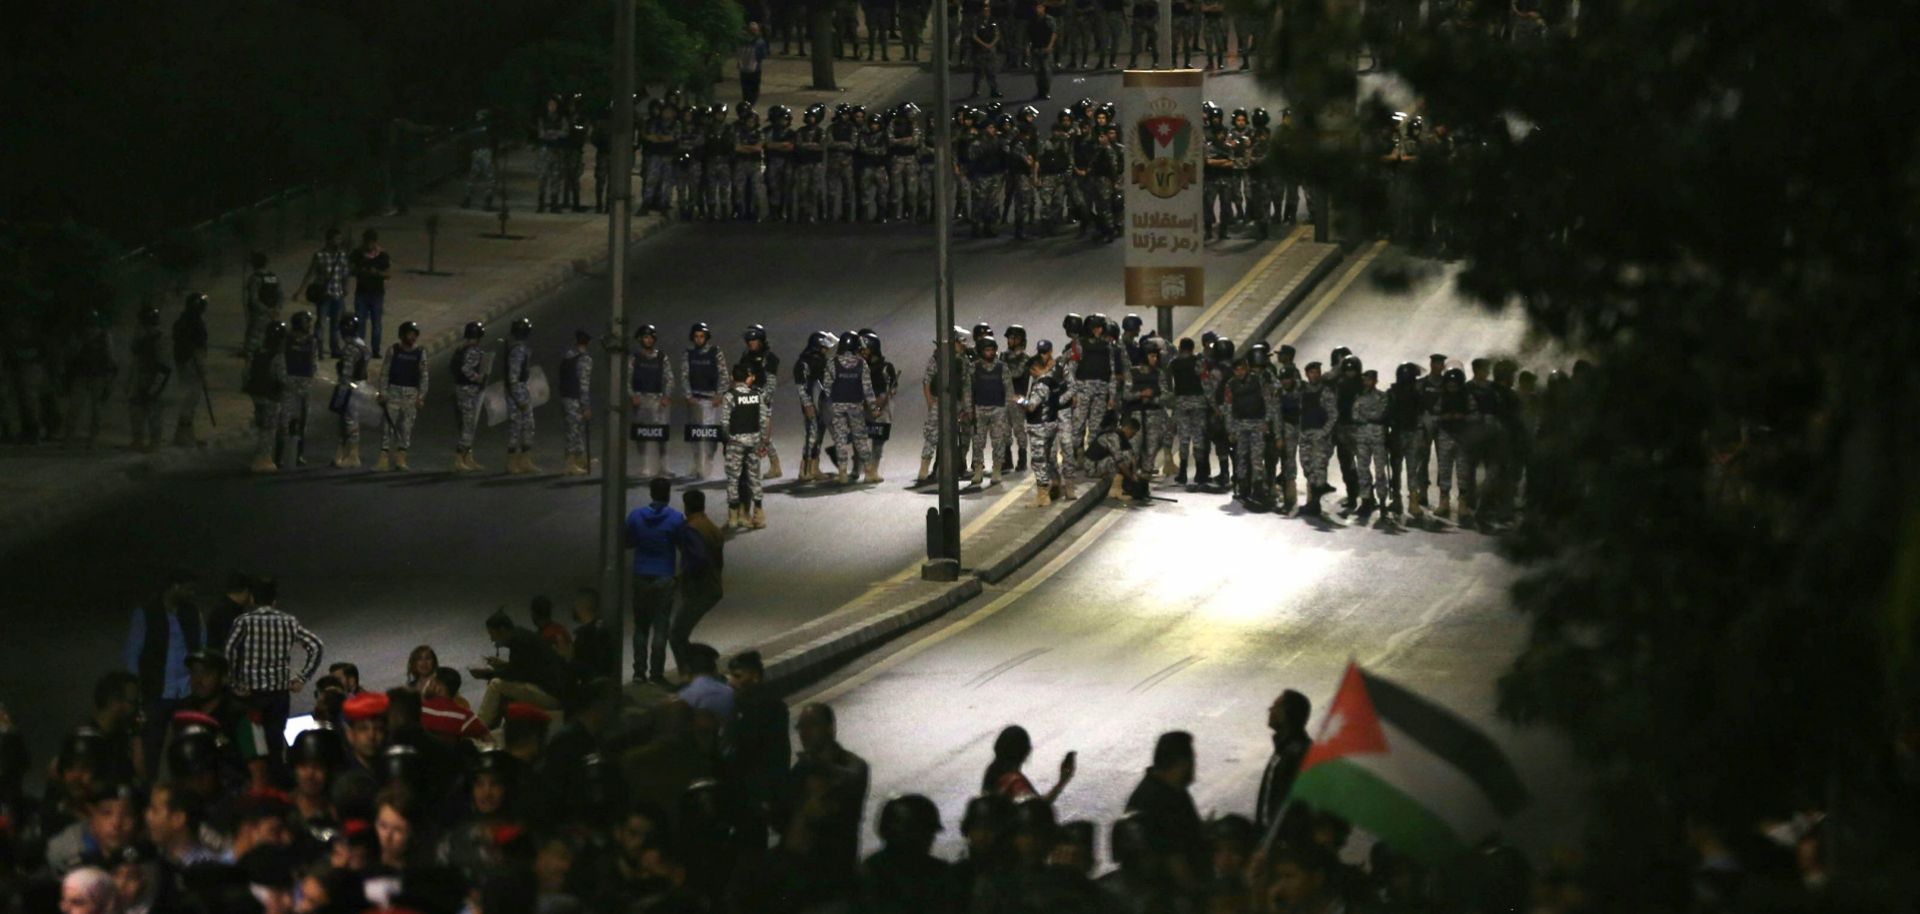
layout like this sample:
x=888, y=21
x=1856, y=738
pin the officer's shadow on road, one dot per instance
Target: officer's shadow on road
x=518, y=482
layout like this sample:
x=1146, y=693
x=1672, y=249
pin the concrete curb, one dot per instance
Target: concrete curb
x=52, y=513
x=996, y=570
x=1300, y=293
x=812, y=657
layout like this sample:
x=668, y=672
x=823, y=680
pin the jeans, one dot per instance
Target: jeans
x=696, y=599
x=273, y=707
x=652, y=616
x=750, y=86
x=502, y=692
x=368, y=306
x=327, y=314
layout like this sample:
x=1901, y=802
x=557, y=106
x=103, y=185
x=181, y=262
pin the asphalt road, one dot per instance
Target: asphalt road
x=1193, y=615
x=378, y=563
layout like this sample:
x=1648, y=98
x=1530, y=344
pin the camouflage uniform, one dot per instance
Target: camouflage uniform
x=990, y=420
x=750, y=173
x=302, y=356
x=1457, y=418
x=702, y=370
x=925, y=160
x=748, y=424
x=266, y=383
x=1119, y=457
x=1042, y=421
x=689, y=173
x=886, y=383
x=1370, y=444
x=1151, y=411
x=1247, y=425
x=659, y=140
x=519, y=399
x=263, y=307
x=147, y=384
x=469, y=382
x=650, y=386
x=1020, y=153
x=809, y=167
x=874, y=164
x=1286, y=432
x=1097, y=365
x=552, y=133
x=850, y=386
x=842, y=195
x=89, y=382
x=903, y=173
x=580, y=374
x=403, y=399
x=351, y=367
x=717, y=159
x=1189, y=408
x=1317, y=408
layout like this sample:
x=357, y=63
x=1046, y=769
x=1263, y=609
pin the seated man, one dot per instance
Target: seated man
x=1112, y=456
x=531, y=671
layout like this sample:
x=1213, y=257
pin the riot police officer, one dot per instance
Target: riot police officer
x=650, y=386
x=851, y=390
x=471, y=366
x=759, y=357
x=702, y=367
x=519, y=369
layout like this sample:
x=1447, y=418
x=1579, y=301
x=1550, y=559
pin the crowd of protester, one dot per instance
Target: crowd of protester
x=559, y=790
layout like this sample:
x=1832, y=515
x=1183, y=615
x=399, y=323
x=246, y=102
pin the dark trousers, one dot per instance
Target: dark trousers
x=368, y=306
x=1042, y=74
x=750, y=87
x=329, y=317
x=696, y=599
x=272, y=708
x=652, y=616
x=154, y=737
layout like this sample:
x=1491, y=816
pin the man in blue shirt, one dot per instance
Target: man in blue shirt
x=163, y=632
x=656, y=533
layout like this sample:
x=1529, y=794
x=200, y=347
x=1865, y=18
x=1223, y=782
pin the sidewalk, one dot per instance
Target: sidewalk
x=1012, y=530
x=476, y=278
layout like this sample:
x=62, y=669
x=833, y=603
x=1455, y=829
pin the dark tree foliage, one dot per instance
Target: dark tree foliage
x=1715, y=202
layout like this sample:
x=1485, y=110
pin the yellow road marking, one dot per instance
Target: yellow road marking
x=1246, y=279
x=1000, y=602
x=1328, y=297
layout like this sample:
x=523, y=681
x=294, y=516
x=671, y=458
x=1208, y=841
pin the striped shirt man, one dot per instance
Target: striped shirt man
x=330, y=266
x=261, y=650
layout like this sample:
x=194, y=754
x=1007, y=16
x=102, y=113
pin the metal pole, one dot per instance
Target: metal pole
x=1166, y=40
x=613, y=461
x=944, y=566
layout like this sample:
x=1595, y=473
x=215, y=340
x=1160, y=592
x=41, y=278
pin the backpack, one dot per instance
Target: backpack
x=268, y=291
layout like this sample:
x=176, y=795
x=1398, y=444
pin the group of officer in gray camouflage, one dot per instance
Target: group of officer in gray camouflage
x=852, y=165
x=1121, y=407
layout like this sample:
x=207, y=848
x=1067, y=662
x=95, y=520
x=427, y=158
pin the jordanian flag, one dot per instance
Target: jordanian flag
x=1411, y=772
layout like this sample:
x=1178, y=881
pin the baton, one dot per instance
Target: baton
x=205, y=396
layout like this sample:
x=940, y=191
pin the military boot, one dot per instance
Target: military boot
x=263, y=464
x=340, y=456
x=1040, y=499
x=400, y=460
x=840, y=474
x=1117, y=487
x=733, y=516
x=1446, y=504
x=473, y=466
x=873, y=474
x=925, y=465
x=1181, y=476
x=773, y=466
x=527, y=466
x=1291, y=494
x=1416, y=503
x=759, y=521
x=459, y=462
x=385, y=462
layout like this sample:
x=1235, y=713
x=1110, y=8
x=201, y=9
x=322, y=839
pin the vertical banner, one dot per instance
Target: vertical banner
x=1161, y=130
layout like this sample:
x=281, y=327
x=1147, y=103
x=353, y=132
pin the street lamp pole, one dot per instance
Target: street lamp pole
x=943, y=553
x=613, y=462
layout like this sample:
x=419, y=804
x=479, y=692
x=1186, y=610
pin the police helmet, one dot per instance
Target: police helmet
x=1152, y=346
x=909, y=815
x=1096, y=322
x=909, y=109
x=960, y=336
x=1001, y=121
x=196, y=302
x=474, y=330
x=982, y=329
x=1454, y=376
x=410, y=327
x=779, y=114
x=1261, y=118
x=1044, y=347
x=815, y=112
x=987, y=342
x=1210, y=110
x=1013, y=331
x=1239, y=114
x=1223, y=350
x=1406, y=372
x=194, y=750
x=824, y=338
x=849, y=341
x=1259, y=353
x=521, y=328
x=857, y=111
x=350, y=325
x=646, y=330
x=1083, y=107
x=1028, y=112
x=1064, y=118
x=1339, y=353
x=870, y=341
x=697, y=112
x=993, y=109
x=1350, y=364
x=1132, y=323
x=1072, y=324
x=149, y=316
x=401, y=764
x=320, y=746
x=755, y=332
x=1207, y=340
x=718, y=110
x=1106, y=110
x=698, y=328
x=841, y=110
x=276, y=331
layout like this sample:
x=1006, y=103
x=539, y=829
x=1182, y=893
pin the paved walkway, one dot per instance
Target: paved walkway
x=475, y=277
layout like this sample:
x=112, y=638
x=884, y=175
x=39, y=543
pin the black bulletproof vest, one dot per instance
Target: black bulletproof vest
x=649, y=373
x=744, y=418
